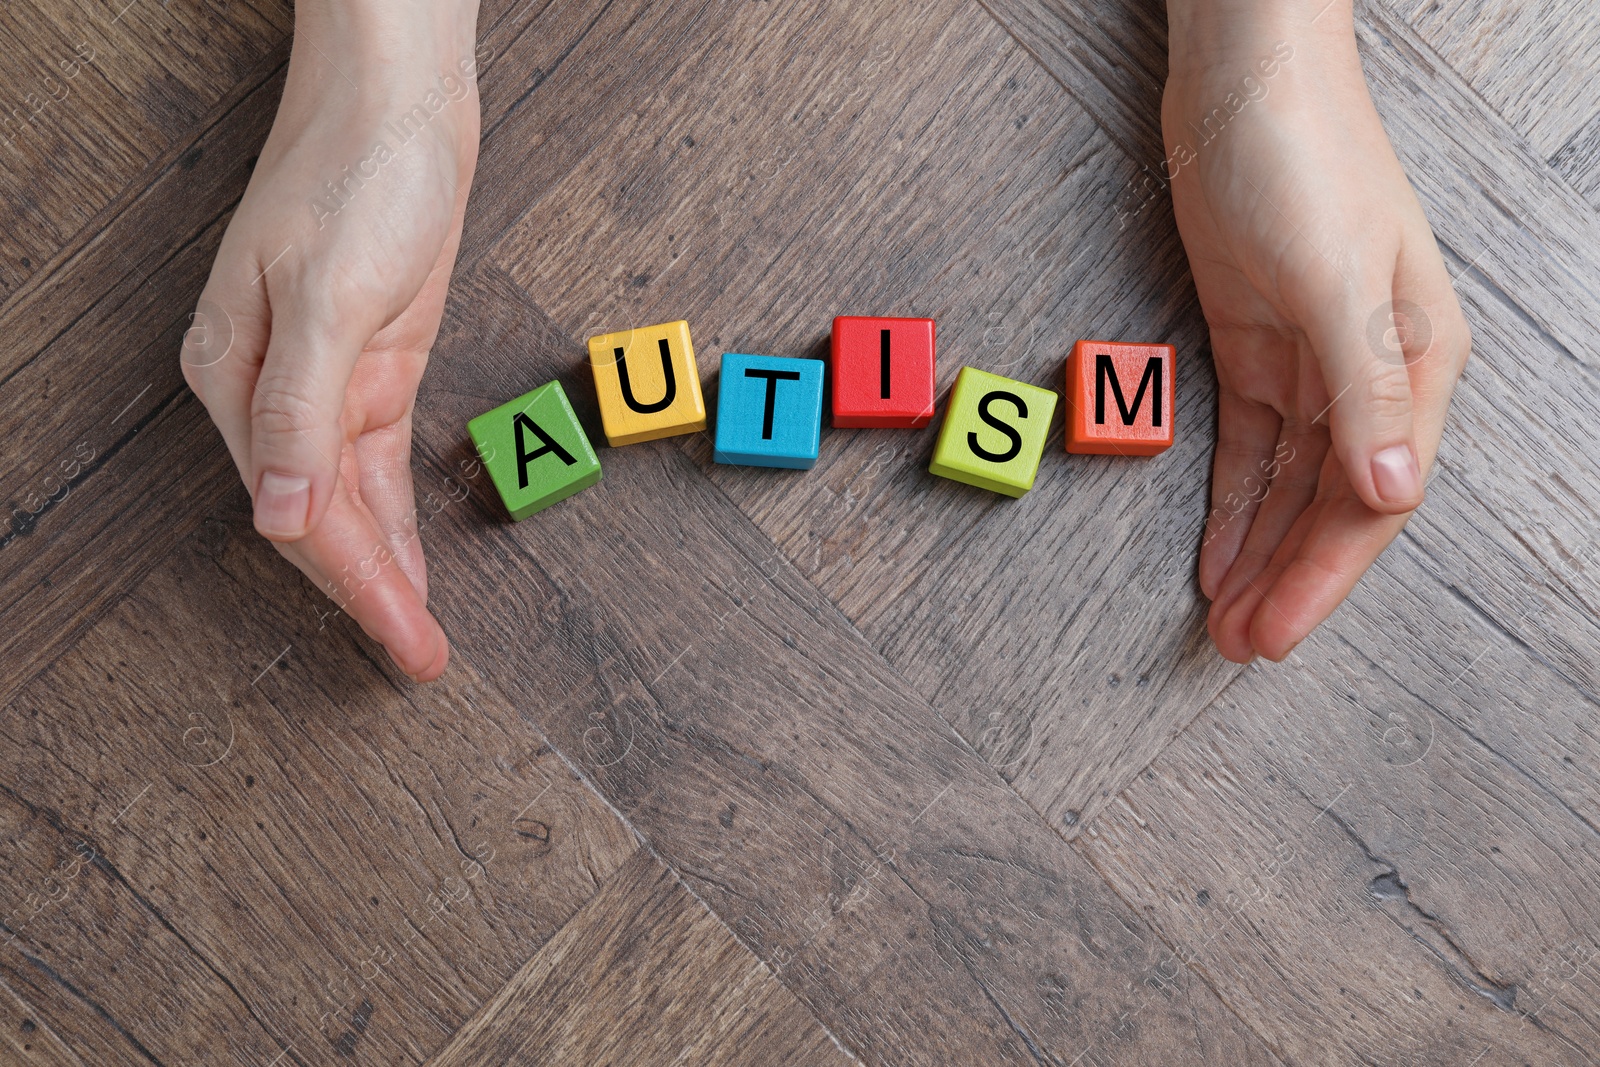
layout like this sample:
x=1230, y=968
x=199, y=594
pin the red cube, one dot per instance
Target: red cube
x=1120, y=398
x=882, y=372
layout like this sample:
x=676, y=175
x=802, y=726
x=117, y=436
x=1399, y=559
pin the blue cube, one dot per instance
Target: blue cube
x=769, y=411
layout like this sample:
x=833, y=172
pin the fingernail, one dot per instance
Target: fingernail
x=283, y=503
x=1396, y=475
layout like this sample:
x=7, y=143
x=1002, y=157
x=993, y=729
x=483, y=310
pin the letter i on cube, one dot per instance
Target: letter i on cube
x=535, y=450
x=647, y=383
x=1120, y=398
x=883, y=372
x=994, y=433
x=769, y=411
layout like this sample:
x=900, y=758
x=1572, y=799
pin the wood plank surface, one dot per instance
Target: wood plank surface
x=740, y=766
x=1534, y=64
x=290, y=851
x=1028, y=660
x=797, y=783
x=93, y=93
x=642, y=974
x=1379, y=848
x=1579, y=161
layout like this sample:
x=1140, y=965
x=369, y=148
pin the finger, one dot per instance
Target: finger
x=1439, y=339
x=1362, y=354
x=361, y=573
x=1246, y=434
x=1340, y=538
x=223, y=346
x=384, y=458
x=1230, y=623
x=296, y=434
x=1344, y=538
x=1297, y=465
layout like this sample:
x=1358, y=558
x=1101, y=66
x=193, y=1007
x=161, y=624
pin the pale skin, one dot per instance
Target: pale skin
x=1299, y=223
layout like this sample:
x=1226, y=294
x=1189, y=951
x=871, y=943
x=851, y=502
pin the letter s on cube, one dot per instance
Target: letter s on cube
x=1120, y=398
x=535, y=450
x=994, y=432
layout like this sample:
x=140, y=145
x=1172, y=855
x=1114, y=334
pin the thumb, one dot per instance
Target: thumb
x=296, y=435
x=1363, y=348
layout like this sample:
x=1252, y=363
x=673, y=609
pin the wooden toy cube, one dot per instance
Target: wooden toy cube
x=535, y=450
x=647, y=382
x=994, y=432
x=1120, y=398
x=769, y=411
x=882, y=372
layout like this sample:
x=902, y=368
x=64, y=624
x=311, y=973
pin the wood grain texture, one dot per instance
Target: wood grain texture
x=115, y=442
x=1579, y=161
x=93, y=93
x=1534, y=64
x=801, y=788
x=1378, y=847
x=642, y=974
x=1028, y=660
x=26, y=1042
x=290, y=850
x=852, y=715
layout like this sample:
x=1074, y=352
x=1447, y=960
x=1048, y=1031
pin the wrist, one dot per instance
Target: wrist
x=377, y=46
x=1204, y=35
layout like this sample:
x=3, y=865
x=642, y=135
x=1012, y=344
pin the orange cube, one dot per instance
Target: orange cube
x=1120, y=398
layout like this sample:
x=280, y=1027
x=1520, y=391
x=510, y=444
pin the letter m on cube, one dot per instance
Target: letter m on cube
x=1120, y=398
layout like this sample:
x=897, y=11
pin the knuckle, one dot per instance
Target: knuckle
x=1387, y=392
x=282, y=407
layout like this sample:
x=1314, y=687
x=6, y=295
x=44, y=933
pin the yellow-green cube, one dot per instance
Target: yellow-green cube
x=994, y=432
x=535, y=450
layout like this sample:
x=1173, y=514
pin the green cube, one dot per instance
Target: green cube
x=994, y=432
x=535, y=450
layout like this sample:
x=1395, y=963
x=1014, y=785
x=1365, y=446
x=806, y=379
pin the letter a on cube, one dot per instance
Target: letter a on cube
x=882, y=372
x=769, y=411
x=647, y=383
x=994, y=433
x=535, y=450
x=1120, y=398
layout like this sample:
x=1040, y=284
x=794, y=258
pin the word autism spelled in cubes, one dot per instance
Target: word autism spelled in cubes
x=1119, y=402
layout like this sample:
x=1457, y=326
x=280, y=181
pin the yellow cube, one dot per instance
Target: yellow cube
x=647, y=382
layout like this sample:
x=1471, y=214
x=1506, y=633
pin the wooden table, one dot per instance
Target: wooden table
x=757, y=767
